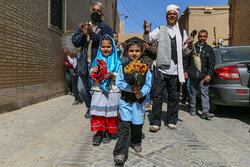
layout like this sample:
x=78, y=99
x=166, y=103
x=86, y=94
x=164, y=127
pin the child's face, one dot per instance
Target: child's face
x=135, y=52
x=106, y=48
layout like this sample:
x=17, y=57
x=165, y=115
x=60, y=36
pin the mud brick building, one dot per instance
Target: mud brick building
x=239, y=22
x=207, y=17
x=31, y=56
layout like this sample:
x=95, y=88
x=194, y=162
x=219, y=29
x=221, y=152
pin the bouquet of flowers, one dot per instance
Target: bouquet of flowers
x=137, y=71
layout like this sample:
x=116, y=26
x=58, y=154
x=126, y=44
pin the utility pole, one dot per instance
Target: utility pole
x=150, y=25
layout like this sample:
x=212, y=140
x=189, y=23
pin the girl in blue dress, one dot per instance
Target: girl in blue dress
x=106, y=95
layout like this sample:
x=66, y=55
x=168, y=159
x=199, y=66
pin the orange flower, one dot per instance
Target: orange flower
x=131, y=70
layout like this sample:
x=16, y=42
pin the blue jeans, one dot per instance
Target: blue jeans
x=196, y=84
x=186, y=89
x=84, y=89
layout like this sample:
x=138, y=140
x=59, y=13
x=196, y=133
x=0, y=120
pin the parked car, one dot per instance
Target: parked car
x=230, y=84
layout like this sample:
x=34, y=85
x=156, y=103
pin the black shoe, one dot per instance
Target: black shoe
x=76, y=102
x=106, y=138
x=183, y=101
x=207, y=115
x=87, y=115
x=113, y=136
x=97, y=138
x=119, y=159
x=192, y=112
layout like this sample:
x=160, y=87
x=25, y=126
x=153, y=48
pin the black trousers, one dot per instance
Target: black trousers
x=128, y=135
x=163, y=82
x=69, y=78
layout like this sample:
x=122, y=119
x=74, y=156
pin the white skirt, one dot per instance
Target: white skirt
x=105, y=104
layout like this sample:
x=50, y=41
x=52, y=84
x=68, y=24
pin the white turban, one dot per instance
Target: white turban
x=174, y=8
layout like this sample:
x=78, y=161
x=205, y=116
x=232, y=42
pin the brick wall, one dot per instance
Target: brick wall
x=240, y=22
x=197, y=18
x=30, y=53
x=31, y=57
x=77, y=12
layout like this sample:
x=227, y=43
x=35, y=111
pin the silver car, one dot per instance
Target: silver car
x=230, y=84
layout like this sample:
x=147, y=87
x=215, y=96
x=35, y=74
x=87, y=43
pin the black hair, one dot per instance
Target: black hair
x=134, y=41
x=202, y=31
x=107, y=38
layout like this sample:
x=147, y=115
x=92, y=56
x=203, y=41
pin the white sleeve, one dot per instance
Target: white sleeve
x=151, y=37
x=70, y=60
x=74, y=62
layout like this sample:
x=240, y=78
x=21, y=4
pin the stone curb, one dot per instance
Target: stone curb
x=14, y=105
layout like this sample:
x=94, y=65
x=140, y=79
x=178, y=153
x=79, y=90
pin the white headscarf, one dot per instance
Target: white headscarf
x=173, y=7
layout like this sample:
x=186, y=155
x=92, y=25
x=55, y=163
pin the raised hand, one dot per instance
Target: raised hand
x=89, y=29
x=146, y=27
x=84, y=29
x=190, y=41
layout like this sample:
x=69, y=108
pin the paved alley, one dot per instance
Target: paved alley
x=55, y=134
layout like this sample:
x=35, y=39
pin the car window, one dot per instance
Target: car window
x=235, y=54
x=217, y=55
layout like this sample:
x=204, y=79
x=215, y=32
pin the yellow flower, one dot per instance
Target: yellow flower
x=126, y=69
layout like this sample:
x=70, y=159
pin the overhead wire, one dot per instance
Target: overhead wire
x=143, y=14
x=132, y=16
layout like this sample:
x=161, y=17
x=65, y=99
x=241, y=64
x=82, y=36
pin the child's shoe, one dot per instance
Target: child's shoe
x=97, y=138
x=119, y=159
x=106, y=138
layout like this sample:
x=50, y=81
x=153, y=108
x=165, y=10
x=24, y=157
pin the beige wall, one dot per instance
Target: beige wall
x=240, y=22
x=194, y=17
x=124, y=36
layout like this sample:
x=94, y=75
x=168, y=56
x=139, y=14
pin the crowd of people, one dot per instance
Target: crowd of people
x=116, y=103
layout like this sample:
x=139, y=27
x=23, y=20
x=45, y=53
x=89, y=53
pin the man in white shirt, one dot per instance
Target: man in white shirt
x=168, y=71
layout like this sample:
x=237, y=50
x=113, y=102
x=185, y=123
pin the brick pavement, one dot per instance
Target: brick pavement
x=55, y=133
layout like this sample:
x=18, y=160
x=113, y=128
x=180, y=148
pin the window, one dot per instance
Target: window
x=57, y=15
x=235, y=54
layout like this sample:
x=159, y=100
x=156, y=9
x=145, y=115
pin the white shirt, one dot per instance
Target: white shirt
x=154, y=37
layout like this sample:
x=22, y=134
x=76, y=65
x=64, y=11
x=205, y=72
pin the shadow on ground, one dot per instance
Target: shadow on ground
x=239, y=113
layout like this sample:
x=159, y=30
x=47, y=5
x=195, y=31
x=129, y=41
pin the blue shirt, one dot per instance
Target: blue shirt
x=134, y=112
